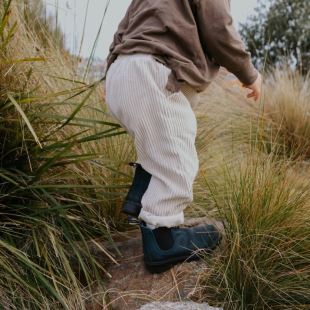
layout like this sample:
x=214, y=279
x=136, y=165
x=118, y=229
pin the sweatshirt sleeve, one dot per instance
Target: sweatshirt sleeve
x=222, y=42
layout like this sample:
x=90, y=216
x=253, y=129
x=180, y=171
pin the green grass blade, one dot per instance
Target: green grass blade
x=25, y=118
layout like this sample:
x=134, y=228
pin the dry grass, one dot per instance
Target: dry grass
x=264, y=262
x=254, y=160
x=254, y=172
x=51, y=87
x=63, y=172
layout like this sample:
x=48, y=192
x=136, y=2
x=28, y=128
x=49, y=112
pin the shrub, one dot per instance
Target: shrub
x=58, y=176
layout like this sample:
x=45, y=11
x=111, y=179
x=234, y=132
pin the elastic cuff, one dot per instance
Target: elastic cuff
x=162, y=221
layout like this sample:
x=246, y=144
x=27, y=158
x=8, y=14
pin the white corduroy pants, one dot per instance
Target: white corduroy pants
x=164, y=128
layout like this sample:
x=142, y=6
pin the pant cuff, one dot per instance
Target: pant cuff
x=162, y=221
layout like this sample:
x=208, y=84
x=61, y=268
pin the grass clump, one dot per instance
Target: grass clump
x=59, y=178
x=264, y=261
x=279, y=123
x=256, y=169
x=286, y=122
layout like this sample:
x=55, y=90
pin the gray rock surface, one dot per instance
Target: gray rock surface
x=177, y=306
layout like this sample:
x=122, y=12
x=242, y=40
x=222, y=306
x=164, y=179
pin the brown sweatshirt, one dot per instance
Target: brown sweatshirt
x=191, y=37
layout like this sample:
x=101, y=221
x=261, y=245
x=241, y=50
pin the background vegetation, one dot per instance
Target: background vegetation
x=279, y=34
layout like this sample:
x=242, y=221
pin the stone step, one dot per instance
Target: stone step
x=177, y=306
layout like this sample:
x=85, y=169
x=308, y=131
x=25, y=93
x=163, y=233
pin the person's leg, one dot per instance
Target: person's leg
x=164, y=129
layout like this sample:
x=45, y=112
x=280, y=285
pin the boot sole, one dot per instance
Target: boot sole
x=165, y=265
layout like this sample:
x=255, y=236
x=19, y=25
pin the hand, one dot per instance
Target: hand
x=256, y=88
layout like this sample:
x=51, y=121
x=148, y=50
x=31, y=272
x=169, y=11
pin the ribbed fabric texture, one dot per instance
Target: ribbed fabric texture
x=164, y=128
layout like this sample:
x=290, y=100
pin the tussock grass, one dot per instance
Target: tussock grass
x=287, y=114
x=63, y=172
x=255, y=168
x=278, y=124
x=264, y=261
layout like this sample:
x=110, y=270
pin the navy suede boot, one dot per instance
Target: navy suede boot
x=132, y=204
x=164, y=247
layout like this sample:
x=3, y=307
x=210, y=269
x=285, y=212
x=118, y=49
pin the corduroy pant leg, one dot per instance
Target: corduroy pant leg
x=164, y=128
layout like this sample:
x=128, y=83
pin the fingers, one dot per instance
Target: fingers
x=255, y=88
x=247, y=86
x=254, y=94
x=250, y=95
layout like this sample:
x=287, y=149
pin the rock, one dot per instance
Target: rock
x=130, y=285
x=177, y=306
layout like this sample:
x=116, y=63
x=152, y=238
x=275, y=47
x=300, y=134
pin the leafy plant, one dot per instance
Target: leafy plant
x=54, y=208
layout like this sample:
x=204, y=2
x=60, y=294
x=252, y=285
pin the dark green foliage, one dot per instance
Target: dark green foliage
x=51, y=211
x=279, y=32
x=47, y=215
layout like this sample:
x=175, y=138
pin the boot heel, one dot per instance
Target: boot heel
x=158, y=269
x=132, y=208
x=132, y=205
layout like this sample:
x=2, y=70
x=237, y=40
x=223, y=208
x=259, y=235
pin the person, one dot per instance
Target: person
x=164, y=53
